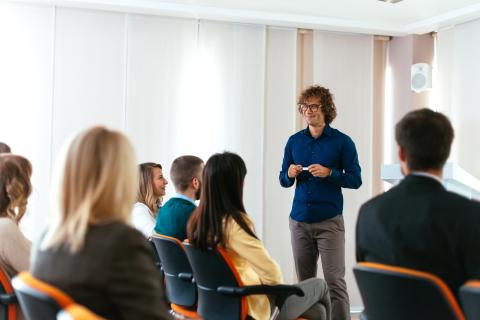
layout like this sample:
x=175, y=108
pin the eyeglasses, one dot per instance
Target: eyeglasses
x=304, y=107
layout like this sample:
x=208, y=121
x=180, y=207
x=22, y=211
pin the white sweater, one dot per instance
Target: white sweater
x=142, y=219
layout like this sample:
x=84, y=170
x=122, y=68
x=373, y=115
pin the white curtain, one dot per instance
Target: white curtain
x=175, y=86
x=280, y=109
x=26, y=64
x=458, y=79
x=197, y=88
x=343, y=63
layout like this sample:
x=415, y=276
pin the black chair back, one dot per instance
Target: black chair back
x=180, y=287
x=470, y=298
x=396, y=293
x=39, y=300
x=212, y=269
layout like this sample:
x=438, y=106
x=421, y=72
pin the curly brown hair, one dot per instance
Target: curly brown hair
x=15, y=186
x=326, y=100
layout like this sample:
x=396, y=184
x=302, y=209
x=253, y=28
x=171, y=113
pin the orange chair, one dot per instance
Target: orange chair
x=40, y=300
x=470, y=298
x=8, y=300
x=396, y=293
x=76, y=312
x=222, y=295
x=180, y=286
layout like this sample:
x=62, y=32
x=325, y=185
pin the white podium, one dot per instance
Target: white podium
x=455, y=179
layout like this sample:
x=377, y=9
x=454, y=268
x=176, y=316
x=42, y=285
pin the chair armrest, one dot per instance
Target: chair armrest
x=186, y=276
x=7, y=298
x=281, y=289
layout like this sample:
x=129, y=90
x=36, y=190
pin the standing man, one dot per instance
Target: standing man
x=418, y=224
x=322, y=161
x=186, y=175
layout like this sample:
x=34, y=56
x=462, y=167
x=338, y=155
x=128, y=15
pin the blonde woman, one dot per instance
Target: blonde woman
x=89, y=250
x=15, y=188
x=150, y=193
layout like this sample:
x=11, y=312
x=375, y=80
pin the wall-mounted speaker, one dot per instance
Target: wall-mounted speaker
x=421, y=77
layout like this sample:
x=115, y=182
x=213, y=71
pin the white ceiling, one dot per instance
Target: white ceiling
x=359, y=16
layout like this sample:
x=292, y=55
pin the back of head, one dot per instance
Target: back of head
x=4, y=148
x=221, y=198
x=183, y=169
x=15, y=186
x=96, y=185
x=425, y=137
x=146, y=193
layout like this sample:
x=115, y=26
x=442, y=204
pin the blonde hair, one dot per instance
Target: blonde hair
x=146, y=195
x=15, y=186
x=96, y=185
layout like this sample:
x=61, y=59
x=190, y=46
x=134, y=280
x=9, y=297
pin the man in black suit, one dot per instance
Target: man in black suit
x=418, y=224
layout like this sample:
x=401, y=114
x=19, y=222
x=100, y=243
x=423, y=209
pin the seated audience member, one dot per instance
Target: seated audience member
x=150, y=192
x=221, y=220
x=15, y=188
x=418, y=224
x=186, y=175
x=4, y=148
x=90, y=251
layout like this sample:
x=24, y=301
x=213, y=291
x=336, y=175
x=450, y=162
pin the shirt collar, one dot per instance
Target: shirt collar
x=327, y=131
x=426, y=174
x=184, y=197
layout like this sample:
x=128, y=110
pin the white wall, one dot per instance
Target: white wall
x=26, y=77
x=175, y=86
x=459, y=78
x=343, y=63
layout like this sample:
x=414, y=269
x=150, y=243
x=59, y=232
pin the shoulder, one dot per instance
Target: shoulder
x=379, y=203
x=177, y=203
x=115, y=234
x=343, y=137
x=296, y=136
x=457, y=201
x=232, y=227
x=8, y=226
x=139, y=208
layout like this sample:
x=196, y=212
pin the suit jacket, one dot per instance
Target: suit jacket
x=114, y=275
x=420, y=225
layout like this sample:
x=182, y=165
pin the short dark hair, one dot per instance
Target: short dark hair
x=326, y=100
x=4, y=148
x=183, y=169
x=426, y=137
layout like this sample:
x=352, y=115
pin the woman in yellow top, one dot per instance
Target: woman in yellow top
x=221, y=220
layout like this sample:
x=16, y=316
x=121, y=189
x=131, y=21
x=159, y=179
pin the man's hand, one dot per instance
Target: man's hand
x=317, y=170
x=294, y=170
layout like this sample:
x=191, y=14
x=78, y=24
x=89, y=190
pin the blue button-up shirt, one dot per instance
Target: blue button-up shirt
x=317, y=199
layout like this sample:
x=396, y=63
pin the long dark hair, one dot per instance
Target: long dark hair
x=221, y=199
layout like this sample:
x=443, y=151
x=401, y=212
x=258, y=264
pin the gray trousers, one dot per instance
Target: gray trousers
x=324, y=239
x=314, y=305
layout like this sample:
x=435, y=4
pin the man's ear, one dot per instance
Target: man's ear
x=195, y=183
x=401, y=154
